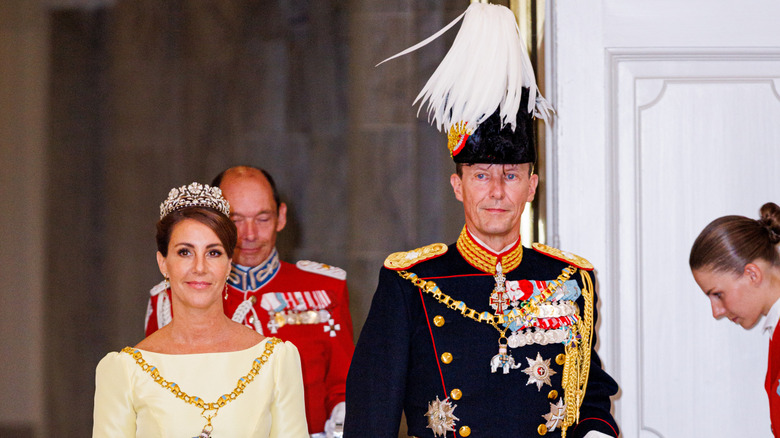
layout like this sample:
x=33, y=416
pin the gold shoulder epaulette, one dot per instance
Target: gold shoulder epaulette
x=322, y=269
x=572, y=259
x=406, y=259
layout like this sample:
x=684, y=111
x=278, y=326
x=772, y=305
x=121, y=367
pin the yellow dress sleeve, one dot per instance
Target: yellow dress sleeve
x=114, y=415
x=288, y=412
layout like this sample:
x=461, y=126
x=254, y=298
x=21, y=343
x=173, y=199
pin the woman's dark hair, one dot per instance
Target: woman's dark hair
x=220, y=224
x=729, y=243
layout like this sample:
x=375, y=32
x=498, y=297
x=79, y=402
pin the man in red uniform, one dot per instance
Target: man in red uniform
x=306, y=303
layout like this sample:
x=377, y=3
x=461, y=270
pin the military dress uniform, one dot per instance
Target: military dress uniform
x=772, y=379
x=306, y=304
x=428, y=349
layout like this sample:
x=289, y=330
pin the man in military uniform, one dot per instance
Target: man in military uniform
x=483, y=337
x=306, y=303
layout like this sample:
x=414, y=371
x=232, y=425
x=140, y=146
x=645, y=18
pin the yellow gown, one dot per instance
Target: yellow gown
x=128, y=403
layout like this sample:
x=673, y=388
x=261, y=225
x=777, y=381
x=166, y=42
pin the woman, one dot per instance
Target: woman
x=202, y=372
x=736, y=263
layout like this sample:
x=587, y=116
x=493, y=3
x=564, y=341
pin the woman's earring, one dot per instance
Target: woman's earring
x=226, y=279
x=167, y=282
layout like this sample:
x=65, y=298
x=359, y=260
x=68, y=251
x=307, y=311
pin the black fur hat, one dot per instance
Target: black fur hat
x=490, y=143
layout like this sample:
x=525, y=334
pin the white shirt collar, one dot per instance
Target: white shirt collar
x=770, y=322
x=484, y=245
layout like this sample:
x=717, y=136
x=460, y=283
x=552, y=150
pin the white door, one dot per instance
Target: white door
x=668, y=117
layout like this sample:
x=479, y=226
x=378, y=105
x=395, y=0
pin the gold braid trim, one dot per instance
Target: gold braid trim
x=474, y=255
x=512, y=260
x=577, y=366
x=407, y=259
x=484, y=260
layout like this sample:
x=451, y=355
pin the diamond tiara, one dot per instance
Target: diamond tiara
x=195, y=195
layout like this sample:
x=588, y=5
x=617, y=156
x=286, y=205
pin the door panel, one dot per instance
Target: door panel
x=661, y=129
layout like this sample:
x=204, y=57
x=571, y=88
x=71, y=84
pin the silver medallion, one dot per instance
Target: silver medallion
x=555, y=416
x=538, y=371
x=441, y=418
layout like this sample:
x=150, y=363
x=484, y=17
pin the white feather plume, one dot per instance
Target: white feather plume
x=486, y=68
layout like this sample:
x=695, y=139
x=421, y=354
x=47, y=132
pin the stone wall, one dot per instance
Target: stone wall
x=23, y=72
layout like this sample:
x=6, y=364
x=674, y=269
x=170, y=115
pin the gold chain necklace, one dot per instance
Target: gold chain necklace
x=523, y=313
x=197, y=401
x=503, y=359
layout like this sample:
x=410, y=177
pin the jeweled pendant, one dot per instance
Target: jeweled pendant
x=498, y=299
x=503, y=360
x=206, y=432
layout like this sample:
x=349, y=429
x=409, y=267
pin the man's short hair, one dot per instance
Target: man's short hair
x=217, y=181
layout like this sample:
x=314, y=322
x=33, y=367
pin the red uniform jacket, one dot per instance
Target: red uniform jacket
x=306, y=304
x=771, y=383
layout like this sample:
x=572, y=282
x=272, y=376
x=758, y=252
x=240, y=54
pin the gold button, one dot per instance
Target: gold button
x=253, y=299
x=456, y=394
x=465, y=431
x=438, y=320
x=542, y=429
x=446, y=357
x=552, y=395
x=560, y=359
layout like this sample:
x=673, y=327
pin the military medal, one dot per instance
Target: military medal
x=555, y=416
x=309, y=317
x=538, y=371
x=323, y=314
x=331, y=327
x=273, y=326
x=503, y=360
x=498, y=299
x=440, y=416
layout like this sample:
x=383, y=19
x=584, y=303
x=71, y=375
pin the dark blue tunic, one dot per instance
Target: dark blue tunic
x=395, y=367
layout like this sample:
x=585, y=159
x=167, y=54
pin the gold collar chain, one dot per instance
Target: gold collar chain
x=522, y=313
x=197, y=401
